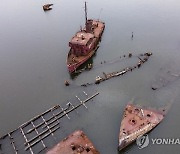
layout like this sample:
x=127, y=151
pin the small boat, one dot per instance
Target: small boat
x=85, y=43
x=75, y=143
x=47, y=7
x=136, y=122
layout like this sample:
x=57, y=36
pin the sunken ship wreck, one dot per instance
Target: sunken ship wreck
x=136, y=122
x=85, y=43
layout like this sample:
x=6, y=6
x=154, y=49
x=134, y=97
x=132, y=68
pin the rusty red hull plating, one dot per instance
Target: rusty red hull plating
x=76, y=143
x=136, y=122
x=92, y=37
x=73, y=67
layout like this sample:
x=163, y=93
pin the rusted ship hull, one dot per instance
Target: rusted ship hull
x=84, y=43
x=76, y=143
x=73, y=67
x=136, y=122
x=74, y=64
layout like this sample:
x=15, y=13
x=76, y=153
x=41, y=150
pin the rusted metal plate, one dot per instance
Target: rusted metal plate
x=136, y=122
x=81, y=38
x=76, y=143
x=84, y=44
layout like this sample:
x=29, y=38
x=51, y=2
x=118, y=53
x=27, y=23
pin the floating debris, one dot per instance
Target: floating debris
x=98, y=80
x=89, y=66
x=136, y=122
x=130, y=55
x=85, y=43
x=66, y=83
x=132, y=35
x=47, y=7
x=76, y=143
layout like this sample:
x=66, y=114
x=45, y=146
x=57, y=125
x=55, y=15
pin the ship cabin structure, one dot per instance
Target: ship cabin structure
x=87, y=39
x=84, y=43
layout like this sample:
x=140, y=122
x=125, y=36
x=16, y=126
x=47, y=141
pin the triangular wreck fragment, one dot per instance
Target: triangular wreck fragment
x=76, y=143
x=136, y=122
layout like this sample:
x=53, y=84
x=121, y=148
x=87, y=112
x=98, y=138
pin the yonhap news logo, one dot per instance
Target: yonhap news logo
x=144, y=141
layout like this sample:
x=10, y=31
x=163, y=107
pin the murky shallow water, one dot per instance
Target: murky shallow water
x=33, y=49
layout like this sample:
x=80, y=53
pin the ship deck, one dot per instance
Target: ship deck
x=73, y=59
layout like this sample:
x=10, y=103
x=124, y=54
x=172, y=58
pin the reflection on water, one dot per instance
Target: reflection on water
x=33, y=50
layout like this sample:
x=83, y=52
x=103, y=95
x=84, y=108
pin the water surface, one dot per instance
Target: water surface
x=33, y=50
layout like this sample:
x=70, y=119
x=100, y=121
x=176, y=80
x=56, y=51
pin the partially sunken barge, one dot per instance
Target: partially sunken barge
x=76, y=143
x=136, y=122
x=85, y=43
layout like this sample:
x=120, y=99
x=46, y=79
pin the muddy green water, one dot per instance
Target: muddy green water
x=33, y=50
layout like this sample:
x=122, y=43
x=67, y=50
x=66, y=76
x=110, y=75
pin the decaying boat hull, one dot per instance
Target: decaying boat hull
x=72, y=64
x=76, y=143
x=84, y=43
x=73, y=67
x=136, y=122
